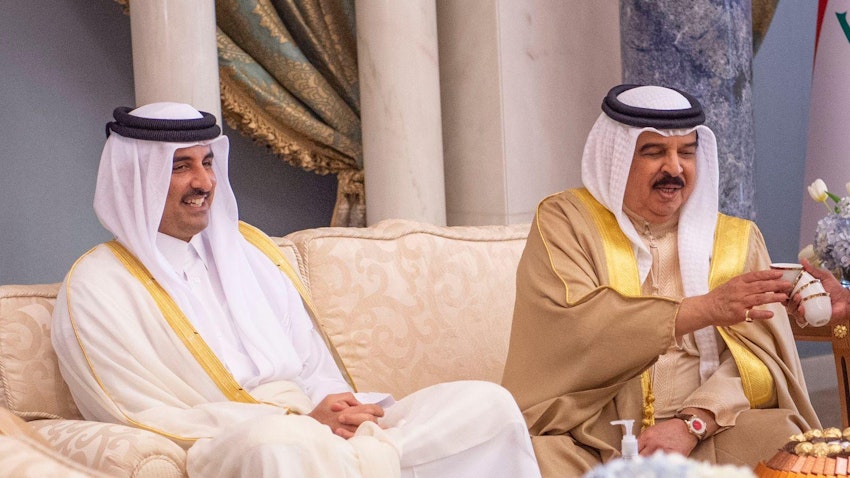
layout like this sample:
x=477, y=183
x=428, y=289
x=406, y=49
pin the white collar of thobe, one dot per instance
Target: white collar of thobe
x=178, y=252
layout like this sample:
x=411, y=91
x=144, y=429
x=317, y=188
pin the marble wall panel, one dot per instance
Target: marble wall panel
x=705, y=48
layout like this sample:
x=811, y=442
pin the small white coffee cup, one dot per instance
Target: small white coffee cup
x=790, y=271
x=811, y=288
x=802, y=280
x=818, y=309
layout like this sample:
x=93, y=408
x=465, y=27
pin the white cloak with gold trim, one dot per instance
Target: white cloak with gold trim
x=124, y=364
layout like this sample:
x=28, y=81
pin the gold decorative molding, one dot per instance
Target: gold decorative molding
x=839, y=331
x=125, y=4
x=763, y=11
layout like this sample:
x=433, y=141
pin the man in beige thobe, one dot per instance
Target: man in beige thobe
x=637, y=300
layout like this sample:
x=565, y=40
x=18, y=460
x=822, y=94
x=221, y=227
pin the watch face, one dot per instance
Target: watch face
x=697, y=425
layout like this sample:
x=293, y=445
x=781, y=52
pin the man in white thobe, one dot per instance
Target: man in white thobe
x=191, y=325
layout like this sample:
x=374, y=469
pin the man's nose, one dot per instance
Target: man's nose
x=202, y=179
x=672, y=164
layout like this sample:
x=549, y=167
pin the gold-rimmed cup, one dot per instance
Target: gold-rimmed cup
x=818, y=309
x=814, y=296
x=811, y=288
x=790, y=270
x=802, y=280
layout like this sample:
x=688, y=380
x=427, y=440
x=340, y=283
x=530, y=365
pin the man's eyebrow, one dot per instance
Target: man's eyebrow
x=646, y=146
x=209, y=155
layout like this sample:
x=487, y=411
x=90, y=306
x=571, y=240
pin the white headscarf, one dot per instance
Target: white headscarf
x=132, y=185
x=606, y=161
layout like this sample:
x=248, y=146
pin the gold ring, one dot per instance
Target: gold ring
x=747, y=317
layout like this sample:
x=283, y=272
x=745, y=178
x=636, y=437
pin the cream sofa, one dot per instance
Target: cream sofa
x=406, y=305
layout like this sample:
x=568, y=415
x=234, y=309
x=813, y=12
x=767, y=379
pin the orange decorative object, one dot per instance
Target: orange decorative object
x=814, y=454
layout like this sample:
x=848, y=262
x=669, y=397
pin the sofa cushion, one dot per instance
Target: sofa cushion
x=409, y=305
x=30, y=383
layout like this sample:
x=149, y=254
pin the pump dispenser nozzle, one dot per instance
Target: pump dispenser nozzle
x=629, y=445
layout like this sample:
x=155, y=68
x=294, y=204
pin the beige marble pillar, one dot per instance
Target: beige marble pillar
x=400, y=110
x=522, y=83
x=174, y=52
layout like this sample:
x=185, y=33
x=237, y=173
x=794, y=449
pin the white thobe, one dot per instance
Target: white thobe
x=124, y=364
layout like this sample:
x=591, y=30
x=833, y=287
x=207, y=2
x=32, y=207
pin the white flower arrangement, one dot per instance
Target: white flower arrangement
x=831, y=248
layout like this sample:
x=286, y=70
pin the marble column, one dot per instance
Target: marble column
x=521, y=85
x=703, y=47
x=400, y=112
x=175, y=57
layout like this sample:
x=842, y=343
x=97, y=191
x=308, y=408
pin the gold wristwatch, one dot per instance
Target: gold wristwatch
x=696, y=425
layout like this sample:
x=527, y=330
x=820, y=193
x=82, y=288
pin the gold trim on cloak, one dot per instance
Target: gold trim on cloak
x=623, y=276
x=192, y=339
x=731, y=246
x=137, y=424
x=729, y=256
x=178, y=322
x=264, y=243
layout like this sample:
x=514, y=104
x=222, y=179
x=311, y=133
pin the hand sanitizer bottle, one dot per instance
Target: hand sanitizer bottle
x=629, y=445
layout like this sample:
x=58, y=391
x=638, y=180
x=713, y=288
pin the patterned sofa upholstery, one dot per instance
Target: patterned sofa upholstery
x=32, y=388
x=25, y=454
x=406, y=305
x=409, y=305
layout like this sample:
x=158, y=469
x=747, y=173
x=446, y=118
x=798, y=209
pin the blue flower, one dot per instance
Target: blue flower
x=832, y=235
x=832, y=241
x=663, y=465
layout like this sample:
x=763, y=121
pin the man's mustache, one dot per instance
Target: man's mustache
x=668, y=180
x=198, y=192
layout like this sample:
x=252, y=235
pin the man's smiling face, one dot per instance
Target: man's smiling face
x=190, y=194
x=662, y=175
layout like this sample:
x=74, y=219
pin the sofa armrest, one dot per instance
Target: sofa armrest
x=116, y=450
x=23, y=457
x=24, y=454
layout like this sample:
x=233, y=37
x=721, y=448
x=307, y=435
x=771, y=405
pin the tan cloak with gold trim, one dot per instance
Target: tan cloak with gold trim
x=583, y=334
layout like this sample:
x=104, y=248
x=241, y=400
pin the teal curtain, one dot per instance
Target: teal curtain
x=288, y=72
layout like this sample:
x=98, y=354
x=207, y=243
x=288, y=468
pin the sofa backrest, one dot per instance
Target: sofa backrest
x=409, y=305
x=406, y=305
x=30, y=384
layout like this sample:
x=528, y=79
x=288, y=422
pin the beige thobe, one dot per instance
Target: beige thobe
x=675, y=376
x=579, y=346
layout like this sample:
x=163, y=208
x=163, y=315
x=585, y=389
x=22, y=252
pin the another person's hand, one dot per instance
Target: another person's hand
x=343, y=413
x=670, y=436
x=839, y=296
x=733, y=302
